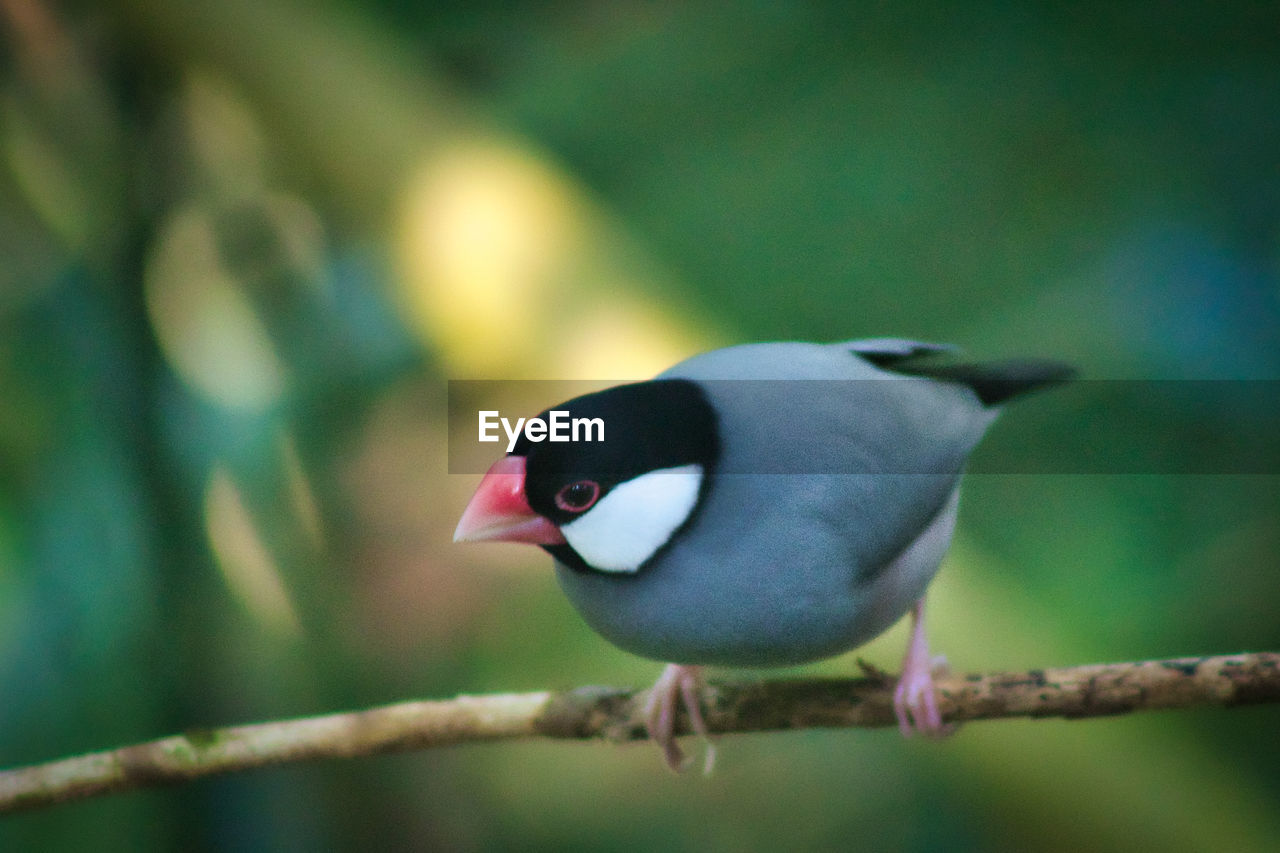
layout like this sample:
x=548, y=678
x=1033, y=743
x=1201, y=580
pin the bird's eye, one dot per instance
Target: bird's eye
x=579, y=496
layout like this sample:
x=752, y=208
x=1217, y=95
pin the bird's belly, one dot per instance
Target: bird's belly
x=770, y=625
x=801, y=610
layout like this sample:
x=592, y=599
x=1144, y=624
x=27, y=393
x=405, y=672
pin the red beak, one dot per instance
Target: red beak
x=499, y=510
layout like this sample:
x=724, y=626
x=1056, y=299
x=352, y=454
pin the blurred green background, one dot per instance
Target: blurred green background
x=246, y=243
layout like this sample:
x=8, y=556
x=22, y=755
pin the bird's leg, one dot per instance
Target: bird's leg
x=677, y=683
x=915, y=700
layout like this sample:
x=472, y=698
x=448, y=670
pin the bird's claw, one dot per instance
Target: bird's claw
x=677, y=684
x=915, y=699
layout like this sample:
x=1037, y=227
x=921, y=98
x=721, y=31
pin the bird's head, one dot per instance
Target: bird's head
x=610, y=500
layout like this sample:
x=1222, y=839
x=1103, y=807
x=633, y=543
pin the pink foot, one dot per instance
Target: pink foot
x=915, y=699
x=677, y=683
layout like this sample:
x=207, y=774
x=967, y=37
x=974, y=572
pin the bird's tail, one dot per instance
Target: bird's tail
x=996, y=382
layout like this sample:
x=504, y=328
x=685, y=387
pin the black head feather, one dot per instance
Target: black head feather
x=648, y=426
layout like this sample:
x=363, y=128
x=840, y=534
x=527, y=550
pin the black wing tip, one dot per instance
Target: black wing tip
x=888, y=352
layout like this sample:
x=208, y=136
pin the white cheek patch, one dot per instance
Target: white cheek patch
x=635, y=519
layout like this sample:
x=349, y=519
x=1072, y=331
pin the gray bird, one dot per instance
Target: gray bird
x=761, y=505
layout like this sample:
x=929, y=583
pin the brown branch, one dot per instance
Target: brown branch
x=599, y=712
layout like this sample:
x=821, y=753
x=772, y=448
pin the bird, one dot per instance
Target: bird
x=759, y=505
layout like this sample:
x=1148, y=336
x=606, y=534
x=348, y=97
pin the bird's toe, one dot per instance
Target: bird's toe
x=677, y=684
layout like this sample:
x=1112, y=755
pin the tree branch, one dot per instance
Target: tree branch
x=611, y=713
